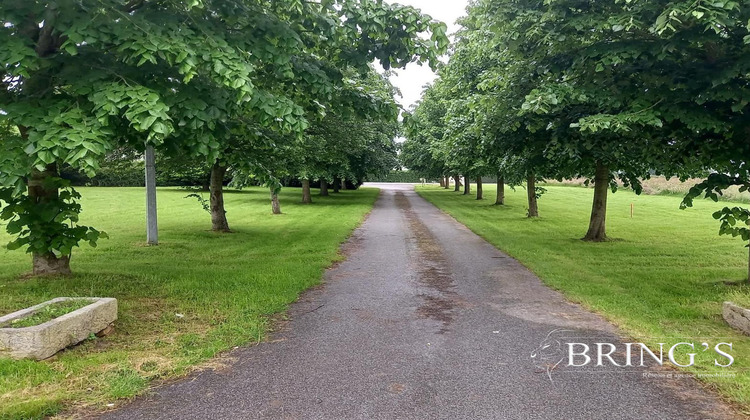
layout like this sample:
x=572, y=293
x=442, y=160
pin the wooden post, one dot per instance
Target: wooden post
x=152, y=229
x=631, y=210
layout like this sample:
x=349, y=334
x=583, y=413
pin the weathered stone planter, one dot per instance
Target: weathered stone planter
x=737, y=316
x=42, y=341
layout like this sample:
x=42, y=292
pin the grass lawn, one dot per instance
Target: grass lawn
x=661, y=279
x=181, y=303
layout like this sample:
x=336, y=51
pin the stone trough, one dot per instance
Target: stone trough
x=737, y=317
x=42, y=341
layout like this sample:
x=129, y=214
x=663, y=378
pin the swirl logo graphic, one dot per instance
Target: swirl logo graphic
x=550, y=353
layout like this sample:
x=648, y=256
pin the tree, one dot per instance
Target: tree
x=567, y=55
x=465, y=137
x=78, y=77
x=483, y=132
x=438, y=143
x=425, y=128
x=354, y=137
x=645, y=86
x=272, y=158
x=732, y=219
x=337, y=85
x=417, y=157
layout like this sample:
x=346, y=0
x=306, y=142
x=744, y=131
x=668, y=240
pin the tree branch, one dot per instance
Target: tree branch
x=46, y=43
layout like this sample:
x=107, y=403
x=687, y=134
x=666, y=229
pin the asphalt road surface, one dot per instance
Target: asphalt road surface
x=426, y=320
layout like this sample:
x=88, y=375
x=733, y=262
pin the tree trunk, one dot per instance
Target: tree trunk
x=442, y=182
x=206, y=183
x=218, y=214
x=324, y=188
x=531, y=192
x=597, y=225
x=480, y=193
x=343, y=184
x=336, y=185
x=457, y=187
x=50, y=265
x=500, y=200
x=275, y=205
x=447, y=182
x=467, y=185
x=306, y=196
x=46, y=264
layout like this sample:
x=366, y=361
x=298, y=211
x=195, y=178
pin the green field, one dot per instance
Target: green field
x=197, y=294
x=661, y=279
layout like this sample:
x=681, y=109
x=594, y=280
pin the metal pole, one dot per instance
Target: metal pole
x=152, y=229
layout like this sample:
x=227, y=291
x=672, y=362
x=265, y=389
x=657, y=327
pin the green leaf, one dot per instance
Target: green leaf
x=71, y=49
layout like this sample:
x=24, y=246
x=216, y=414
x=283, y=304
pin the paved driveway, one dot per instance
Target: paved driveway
x=426, y=320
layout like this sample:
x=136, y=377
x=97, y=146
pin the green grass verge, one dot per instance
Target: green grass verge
x=740, y=297
x=197, y=294
x=661, y=280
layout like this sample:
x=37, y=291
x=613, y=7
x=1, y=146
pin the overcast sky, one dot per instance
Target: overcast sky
x=411, y=80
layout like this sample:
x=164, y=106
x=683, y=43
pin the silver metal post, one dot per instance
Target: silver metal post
x=152, y=229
